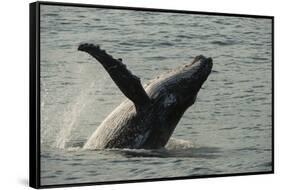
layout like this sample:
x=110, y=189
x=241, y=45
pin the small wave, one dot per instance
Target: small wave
x=214, y=71
x=125, y=43
x=247, y=149
x=141, y=43
x=243, y=96
x=157, y=58
x=197, y=169
x=258, y=86
x=50, y=14
x=184, y=36
x=228, y=128
x=249, y=32
x=71, y=178
x=64, y=46
x=164, y=44
x=265, y=164
x=50, y=176
x=222, y=22
x=256, y=128
x=260, y=58
x=163, y=32
x=224, y=43
x=67, y=83
x=106, y=28
x=53, y=32
x=65, y=23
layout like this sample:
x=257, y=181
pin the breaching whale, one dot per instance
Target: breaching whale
x=148, y=117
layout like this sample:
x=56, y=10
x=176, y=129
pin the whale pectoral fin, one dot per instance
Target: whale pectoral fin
x=128, y=83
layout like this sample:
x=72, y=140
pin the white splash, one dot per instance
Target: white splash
x=70, y=120
x=178, y=144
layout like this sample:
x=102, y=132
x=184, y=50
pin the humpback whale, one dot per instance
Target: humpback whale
x=148, y=116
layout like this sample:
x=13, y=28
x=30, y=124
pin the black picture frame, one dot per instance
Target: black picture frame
x=34, y=92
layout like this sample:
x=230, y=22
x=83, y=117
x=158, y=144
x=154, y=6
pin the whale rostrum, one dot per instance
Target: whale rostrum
x=148, y=117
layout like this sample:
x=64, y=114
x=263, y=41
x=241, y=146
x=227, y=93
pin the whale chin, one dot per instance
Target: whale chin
x=148, y=117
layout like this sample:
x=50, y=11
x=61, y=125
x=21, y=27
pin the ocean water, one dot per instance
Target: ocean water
x=228, y=129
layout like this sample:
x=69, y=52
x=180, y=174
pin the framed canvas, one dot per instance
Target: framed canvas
x=125, y=94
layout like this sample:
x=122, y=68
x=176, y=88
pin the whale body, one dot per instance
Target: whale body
x=148, y=117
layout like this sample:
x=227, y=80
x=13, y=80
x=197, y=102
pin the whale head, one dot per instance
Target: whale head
x=179, y=87
x=186, y=82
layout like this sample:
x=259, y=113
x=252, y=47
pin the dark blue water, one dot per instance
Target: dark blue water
x=227, y=130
